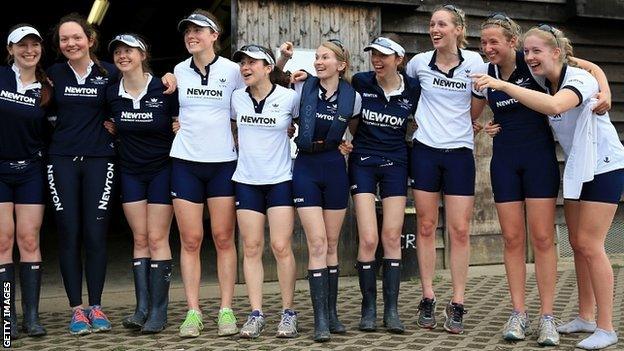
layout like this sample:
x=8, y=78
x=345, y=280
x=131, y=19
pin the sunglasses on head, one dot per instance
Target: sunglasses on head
x=548, y=28
x=337, y=42
x=501, y=16
x=451, y=7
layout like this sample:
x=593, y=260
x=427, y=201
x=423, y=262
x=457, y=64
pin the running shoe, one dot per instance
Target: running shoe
x=454, y=314
x=548, y=334
x=79, y=324
x=517, y=326
x=192, y=324
x=254, y=325
x=287, y=327
x=99, y=321
x=226, y=322
x=426, y=313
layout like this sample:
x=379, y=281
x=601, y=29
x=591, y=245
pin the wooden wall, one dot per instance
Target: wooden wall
x=593, y=39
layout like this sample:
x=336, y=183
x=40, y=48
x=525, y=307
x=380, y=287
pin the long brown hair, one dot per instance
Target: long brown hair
x=89, y=31
x=40, y=74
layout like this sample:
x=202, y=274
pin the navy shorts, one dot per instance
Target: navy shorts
x=154, y=187
x=451, y=171
x=321, y=179
x=198, y=181
x=606, y=187
x=261, y=197
x=22, y=182
x=521, y=172
x=368, y=171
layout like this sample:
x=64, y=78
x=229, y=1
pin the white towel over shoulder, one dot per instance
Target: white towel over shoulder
x=581, y=162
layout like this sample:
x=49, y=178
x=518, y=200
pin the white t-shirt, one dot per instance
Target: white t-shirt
x=263, y=143
x=443, y=112
x=205, y=134
x=610, y=152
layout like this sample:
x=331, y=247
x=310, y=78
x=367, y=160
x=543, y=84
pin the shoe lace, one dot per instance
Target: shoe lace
x=192, y=319
x=79, y=316
x=227, y=317
x=426, y=306
x=288, y=320
x=97, y=313
x=458, y=313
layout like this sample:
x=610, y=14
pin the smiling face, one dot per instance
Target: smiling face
x=26, y=53
x=542, y=58
x=198, y=39
x=254, y=71
x=443, y=31
x=495, y=45
x=127, y=58
x=326, y=63
x=73, y=41
x=385, y=65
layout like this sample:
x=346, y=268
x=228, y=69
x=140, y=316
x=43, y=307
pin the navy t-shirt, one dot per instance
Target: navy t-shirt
x=519, y=124
x=23, y=132
x=144, y=128
x=80, y=111
x=383, y=123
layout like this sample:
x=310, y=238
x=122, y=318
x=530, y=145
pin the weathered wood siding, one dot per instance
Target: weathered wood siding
x=593, y=39
x=307, y=24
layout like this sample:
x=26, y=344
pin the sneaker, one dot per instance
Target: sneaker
x=227, y=322
x=426, y=313
x=79, y=324
x=287, y=327
x=517, y=326
x=192, y=324
x=254, y=325
x=454, y=314
x=99, y=321
x=548, y=335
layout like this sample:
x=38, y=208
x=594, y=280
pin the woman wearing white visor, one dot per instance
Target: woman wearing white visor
x=262, y=114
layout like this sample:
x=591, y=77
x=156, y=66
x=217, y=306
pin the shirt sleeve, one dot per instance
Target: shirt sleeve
x=357, y=106
x=410, y=68
x=582, y=83
x=480, y=69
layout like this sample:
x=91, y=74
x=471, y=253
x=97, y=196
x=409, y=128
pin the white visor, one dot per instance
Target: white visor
x=200, y=20
x=386, y=46
x=19, y=34
x=127, y=39
x=253, y=51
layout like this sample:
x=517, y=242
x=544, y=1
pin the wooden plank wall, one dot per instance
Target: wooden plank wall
x=592, y=39
x=307, y=24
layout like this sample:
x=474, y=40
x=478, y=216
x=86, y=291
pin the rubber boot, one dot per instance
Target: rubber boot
x=391, y=283
x=7, y=275
x=30, y=284
x=140, y=269
x=160, y=278
x=318, y=293
x=368, y=287
x=335, y=326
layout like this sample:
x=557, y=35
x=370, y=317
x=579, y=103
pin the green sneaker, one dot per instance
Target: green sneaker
x=192, y=325
x=227, y=322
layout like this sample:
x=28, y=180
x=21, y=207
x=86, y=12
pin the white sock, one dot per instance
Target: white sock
x=598, y=340
x=577, y=325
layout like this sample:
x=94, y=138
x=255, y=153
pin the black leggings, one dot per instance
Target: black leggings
x=81, y=190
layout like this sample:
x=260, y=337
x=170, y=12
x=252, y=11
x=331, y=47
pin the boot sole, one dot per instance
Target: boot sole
x=132, y=326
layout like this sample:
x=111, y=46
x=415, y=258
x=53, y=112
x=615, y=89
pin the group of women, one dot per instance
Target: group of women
x=223, y=140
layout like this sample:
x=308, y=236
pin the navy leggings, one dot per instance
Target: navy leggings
x=81, y=190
